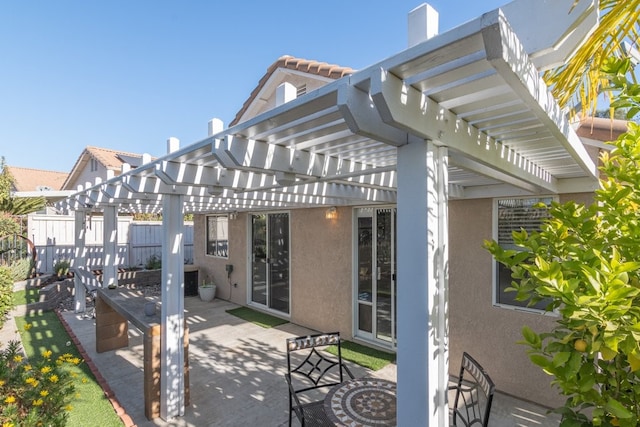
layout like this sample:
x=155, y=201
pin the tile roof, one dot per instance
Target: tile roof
x=322, y=69
x=601, y=129
x=28, y=179
x=110, y=159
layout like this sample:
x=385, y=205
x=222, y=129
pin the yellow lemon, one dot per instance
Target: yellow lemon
x=580, y=345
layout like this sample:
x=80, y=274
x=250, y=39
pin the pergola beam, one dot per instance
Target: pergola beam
x=406, y=107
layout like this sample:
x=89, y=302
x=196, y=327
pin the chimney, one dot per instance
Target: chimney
x=422, y=23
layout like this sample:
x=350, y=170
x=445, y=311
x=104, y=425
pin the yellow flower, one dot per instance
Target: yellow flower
x=38, y=402
x=30, y=380
x=1, y=383
x=10, y=399
x=84, y=381
x=8, y=424
x=17, y=358
x=46, y=369
x=53, y=378
x=28, y=367
x=27, y=326
x=44, y=393
x=59, y=362
x=68, y=408
x=67, y=356
x=76, y=360
x=46, y=354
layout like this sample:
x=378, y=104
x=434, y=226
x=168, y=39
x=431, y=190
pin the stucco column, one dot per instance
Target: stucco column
x=422, y=282
x=79, y=261
x=110, y=245
x=172, y=400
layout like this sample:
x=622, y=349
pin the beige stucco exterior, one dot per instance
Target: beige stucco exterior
x=321, y=283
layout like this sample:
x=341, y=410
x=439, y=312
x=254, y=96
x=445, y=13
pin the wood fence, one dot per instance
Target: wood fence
x=138, y=241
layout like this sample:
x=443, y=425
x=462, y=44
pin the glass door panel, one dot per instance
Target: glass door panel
x=385, y=269
x=270, y=260
x=259, y=259
x=278, y=261
x=365, y=274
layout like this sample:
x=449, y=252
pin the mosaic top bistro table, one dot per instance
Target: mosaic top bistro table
x=362, y=402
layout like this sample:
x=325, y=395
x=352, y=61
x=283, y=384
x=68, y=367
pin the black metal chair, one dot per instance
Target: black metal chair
x=311, y=374
x=474, y=394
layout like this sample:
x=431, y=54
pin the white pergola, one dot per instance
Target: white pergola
x=463, y=114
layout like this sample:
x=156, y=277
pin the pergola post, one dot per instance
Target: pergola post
x=422, y=284
x=110, y=244
x=79, y=261
x=172, y=400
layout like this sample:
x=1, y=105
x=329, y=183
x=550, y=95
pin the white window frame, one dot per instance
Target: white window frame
x=495, y=285
x=219, y=220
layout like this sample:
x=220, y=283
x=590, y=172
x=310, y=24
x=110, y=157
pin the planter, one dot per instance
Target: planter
x=207, y=293
x=149, y=308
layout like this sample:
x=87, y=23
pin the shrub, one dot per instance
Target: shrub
x=22, y=269
x=61, y=267
x=6, y=293
x=153, y=263
x=35, y=392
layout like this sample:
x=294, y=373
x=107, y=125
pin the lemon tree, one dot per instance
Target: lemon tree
x=586, y=261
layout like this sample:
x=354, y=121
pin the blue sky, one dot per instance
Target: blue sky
x=127, y=75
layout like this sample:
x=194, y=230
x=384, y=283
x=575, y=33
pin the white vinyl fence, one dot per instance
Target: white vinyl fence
x=53, y=237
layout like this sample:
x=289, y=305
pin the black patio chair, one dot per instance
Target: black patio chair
x=474, y=394
x=312, y=377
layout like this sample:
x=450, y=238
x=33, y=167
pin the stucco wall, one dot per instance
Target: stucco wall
x=320, y=275
x=211, y=267
x=490, y=333
x=321, y=270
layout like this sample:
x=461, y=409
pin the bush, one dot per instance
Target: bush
x=6, y=293
x=35, y=392
x=61, y=267
x=22, y=269
x=153, y=263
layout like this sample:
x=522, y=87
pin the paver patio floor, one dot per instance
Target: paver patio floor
x=236, y=372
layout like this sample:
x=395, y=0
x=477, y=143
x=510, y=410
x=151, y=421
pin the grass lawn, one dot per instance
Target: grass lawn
x=364, y=356
x=47, y=333
x=24, y=297
x=256, y=317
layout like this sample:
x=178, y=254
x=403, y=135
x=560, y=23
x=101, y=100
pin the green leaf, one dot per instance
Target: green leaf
x=617, y=409
x=530, y=336
x=561, y=358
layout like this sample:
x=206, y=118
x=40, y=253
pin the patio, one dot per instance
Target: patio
x=236, y=372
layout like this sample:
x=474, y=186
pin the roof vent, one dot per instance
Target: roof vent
x=301, y=90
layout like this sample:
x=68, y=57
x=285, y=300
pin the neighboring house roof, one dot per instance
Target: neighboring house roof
x=601, y=129
x=29, y=179
x=313, y=68
x=110, y=159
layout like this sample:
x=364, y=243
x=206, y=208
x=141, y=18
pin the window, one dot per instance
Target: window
x=94, y=165
x=218, y=236
x=513, y=215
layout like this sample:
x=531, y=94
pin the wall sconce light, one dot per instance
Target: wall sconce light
x=233, y=215
x=331, y=213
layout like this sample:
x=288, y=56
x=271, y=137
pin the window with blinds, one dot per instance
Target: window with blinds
x=514, y=215
x=218, y=236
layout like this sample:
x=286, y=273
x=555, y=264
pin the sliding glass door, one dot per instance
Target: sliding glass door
x=376, y=276
x=270, y=260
